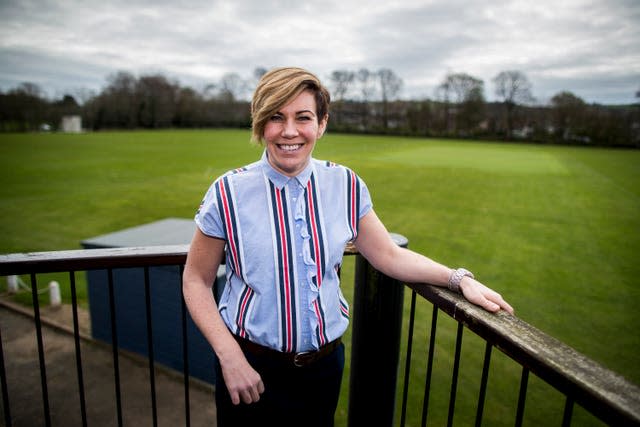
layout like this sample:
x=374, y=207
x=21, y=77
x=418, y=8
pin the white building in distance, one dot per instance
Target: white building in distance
x=71, y=124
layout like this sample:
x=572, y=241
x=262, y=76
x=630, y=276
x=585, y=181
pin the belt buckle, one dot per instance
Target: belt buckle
x=298, y=359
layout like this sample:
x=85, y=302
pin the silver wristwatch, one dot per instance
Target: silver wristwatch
x=456, y=278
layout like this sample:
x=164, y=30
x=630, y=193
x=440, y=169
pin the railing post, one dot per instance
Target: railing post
x=375, y=344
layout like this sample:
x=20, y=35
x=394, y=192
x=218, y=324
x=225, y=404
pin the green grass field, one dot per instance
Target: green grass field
x=554, y=229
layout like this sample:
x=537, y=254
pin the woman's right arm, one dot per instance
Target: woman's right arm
x=203, y=259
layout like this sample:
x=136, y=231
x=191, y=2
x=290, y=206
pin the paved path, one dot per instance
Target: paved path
x=25, y=395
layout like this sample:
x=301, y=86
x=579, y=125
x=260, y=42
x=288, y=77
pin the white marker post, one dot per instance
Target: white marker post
x=54, y=294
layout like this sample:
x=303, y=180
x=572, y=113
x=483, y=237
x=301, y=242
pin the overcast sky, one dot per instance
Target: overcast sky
x=588, y=47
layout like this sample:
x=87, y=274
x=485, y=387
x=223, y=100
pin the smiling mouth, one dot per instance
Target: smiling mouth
x=289, y=147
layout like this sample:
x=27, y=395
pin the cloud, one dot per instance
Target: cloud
x=585, y=46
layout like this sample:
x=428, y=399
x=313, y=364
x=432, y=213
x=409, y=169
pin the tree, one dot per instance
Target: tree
x=419, y=117
x=467, y=93
x=366, y=84
x=366, y=81
x=23, y=108
x=156, y=101
x=341, y=81
x=513, y=88
x=390, y=85
x=569, y=115
x=117, y=105
x=231, y=87
x=29, y=89
x=190, y=110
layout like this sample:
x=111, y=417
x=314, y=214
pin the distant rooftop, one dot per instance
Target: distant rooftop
x=168, y=231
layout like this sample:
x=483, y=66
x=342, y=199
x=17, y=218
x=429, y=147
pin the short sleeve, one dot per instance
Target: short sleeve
x=365, y=199
x=207, y=217
x=358, y=201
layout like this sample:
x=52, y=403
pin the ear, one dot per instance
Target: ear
x=322, y=125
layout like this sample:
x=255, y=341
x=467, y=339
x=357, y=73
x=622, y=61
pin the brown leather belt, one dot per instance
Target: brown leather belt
x=301, y=359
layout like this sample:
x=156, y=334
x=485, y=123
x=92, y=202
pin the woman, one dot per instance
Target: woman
x=282, y=224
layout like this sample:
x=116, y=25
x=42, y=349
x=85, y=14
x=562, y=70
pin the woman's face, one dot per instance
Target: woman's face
x=291, y=134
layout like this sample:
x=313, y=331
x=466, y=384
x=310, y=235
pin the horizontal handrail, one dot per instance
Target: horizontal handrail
x=90, y=259
x=603, y=392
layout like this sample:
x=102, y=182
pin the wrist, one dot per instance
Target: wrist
x=456, y=278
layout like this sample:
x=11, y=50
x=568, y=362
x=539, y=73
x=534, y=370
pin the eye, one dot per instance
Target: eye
x=304, y=118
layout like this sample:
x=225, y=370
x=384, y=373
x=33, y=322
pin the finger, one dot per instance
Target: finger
x=502, y=304
x=255, y=395
x=497, y=298
x=260, y=387
x=490, y=306
x=247, y=397
x=506, y=307
x=235, y=398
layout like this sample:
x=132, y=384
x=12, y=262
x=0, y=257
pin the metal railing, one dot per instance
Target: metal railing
x=377, y=318
x=84, y=260
x=378, y=307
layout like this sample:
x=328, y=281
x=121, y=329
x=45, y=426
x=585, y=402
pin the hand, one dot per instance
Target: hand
x=483, y=296
x=242, y=381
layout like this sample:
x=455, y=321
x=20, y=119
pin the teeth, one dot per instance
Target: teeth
x=290, y=147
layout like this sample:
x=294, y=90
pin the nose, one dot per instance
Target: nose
x=289, y=129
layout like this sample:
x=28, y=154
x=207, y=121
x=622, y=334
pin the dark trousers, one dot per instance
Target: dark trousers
x=293, y=396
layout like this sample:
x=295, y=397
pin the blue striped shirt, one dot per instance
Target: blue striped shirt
x=285, y=239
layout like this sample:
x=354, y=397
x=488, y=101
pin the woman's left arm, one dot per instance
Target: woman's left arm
x=375, y=244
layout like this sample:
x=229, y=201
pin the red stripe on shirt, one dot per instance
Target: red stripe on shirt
x=287, y=278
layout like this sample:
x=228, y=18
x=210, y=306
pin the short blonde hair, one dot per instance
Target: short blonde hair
x=277, y=88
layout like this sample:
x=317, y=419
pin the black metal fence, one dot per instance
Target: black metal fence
x=376, y=345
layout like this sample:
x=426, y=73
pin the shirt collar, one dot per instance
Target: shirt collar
x=280, y=180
